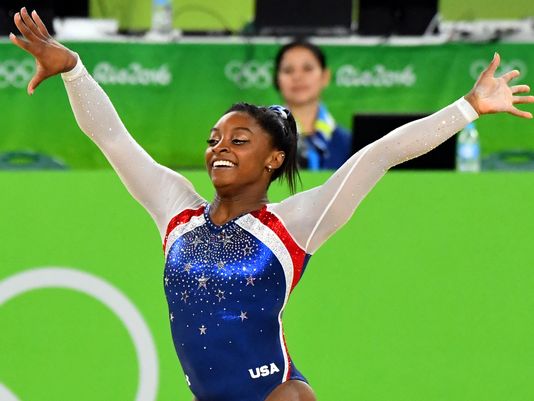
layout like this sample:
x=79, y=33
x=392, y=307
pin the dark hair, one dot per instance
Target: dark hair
x=281, y=126
x=317, y=52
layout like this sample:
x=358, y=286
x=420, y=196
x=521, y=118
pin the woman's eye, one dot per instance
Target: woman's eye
x=239, y=141
x=212, y=142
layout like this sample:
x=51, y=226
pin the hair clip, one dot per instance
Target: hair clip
x=282, y=111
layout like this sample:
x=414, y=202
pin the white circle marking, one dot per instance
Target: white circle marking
x=113, y=298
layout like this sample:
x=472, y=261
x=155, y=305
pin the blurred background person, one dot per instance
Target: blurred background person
x=301, y=74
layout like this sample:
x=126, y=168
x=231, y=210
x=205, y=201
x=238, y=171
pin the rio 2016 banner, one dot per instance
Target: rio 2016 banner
x=425, y=295
x=170, y=95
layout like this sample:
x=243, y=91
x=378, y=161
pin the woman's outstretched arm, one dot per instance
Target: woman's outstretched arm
x=312, y=216
x=160, y=190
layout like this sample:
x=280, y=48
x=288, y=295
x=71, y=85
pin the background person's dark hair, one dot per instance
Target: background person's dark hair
x=283, y=132
x=317, y=52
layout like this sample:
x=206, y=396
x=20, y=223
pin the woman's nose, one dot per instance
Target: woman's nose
x=220, y=147
x=296, y=75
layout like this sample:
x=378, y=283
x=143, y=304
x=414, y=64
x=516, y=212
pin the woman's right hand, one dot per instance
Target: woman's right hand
x=51, y=57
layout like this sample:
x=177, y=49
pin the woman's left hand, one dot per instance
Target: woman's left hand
x=493, y=95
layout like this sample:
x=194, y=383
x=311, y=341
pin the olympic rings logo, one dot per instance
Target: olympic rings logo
x=16, y=73
x=250, y=74
x=480, y=65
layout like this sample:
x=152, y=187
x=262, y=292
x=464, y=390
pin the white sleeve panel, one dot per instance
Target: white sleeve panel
x=314, y=215
x=162, y=191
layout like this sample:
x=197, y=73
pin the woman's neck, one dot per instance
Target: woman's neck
x=227, y=207
x=305, y=114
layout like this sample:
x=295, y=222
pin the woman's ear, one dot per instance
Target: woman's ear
x=277, y=159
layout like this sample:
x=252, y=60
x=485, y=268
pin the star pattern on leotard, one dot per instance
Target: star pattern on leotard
x=243, y=316
x=203, y=330
x=211, y=258
x=187, y=267
x=226, y=239
x=185, y=296
x=197, y=241
x=220, y=295
x=202, y=281
x=250, y=280
x=247, y=250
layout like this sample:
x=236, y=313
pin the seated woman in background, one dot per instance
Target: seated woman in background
x=300, y=76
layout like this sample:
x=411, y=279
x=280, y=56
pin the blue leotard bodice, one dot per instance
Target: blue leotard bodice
x=226, y=288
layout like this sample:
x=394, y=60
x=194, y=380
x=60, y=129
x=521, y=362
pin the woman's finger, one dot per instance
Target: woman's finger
x=510, y=75
x=21, y=26
x=522, y=99
x=29, y=23
x=520, y=89
x=493, y=65
x=40, y=24
x=520, y=113
x=19, y=42
x=35, y=81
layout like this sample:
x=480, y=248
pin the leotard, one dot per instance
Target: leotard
x=227, y=286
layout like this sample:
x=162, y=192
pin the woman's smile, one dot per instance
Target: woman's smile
x=224, y=164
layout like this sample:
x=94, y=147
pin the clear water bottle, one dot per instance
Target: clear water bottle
x=162, y=16
x=468, y=149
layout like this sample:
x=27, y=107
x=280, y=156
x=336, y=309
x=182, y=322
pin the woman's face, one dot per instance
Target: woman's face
x=301, y=77
x=238, y=152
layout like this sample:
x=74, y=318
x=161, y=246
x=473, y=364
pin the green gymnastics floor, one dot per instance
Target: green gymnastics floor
x=427, y=294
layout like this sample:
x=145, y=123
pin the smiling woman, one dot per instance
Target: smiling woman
x=231, y=265
x=270, y=130
x=239, y=153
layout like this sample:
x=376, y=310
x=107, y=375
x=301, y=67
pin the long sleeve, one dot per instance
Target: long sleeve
x=314, y=215
x=162, y=191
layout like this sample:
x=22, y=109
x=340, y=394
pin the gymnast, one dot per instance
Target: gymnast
x=231, y=264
